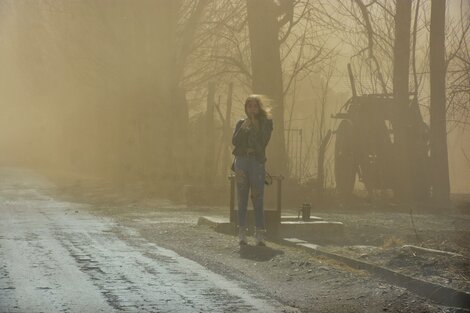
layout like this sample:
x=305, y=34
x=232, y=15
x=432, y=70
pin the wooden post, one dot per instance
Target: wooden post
x=279, y=195
x=300, y=156
x=233, y=218
x=273, y=229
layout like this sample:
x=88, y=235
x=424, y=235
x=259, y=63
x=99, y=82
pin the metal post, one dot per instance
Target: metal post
x=275, y=225
x=279, y=194
x=300, y=157
x=232, y=198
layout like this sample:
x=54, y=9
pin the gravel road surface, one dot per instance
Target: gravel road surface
x=55, y=257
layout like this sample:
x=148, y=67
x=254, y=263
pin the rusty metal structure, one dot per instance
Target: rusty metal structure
x=365, y=144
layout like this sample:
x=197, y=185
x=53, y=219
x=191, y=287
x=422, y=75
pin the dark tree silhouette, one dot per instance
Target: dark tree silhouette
x=401, y=121
x=439, y=154
x=264, y=27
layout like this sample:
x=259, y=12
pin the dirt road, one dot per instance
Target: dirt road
x=83, y=245
x=55, y=257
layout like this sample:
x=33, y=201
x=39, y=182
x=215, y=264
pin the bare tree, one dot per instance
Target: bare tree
x=439, y=154
x=458, y=69
x=189, y=17
x=228, y=54
x=370, y=42
x=266, y=65
x=402, y=119
x=324, y=132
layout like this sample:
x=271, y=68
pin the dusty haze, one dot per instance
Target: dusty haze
x=88, y=86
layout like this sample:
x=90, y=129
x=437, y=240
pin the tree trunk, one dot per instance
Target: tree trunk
x=438, y=135
x=226, y=143
x=401, y=121
x=321, y=165
x=176, y=164
x=209, y=164
x=267, y=72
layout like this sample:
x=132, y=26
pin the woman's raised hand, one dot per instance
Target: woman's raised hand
x=246, y=123
x=254, y=121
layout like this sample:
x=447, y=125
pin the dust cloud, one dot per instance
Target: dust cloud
x=119, y=89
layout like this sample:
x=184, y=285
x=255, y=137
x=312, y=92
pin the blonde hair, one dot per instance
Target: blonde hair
x=263, y=104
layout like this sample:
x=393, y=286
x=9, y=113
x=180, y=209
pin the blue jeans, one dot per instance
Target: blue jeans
x=249, y=174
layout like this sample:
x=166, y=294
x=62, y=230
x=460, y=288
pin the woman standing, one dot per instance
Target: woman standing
x=250, y=138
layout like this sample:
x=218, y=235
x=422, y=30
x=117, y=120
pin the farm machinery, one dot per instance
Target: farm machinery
x=365, y=145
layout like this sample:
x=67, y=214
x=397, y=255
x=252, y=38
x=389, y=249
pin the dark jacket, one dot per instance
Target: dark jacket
x=262, y=136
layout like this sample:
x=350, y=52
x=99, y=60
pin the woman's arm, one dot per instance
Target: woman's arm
x=266, y=130
x=239, y=135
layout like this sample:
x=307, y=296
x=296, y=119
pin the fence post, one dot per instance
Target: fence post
x=233, y=218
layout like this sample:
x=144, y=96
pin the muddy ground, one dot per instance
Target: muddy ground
x=293, y=276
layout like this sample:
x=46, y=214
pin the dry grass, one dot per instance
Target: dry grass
x=392, y=242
